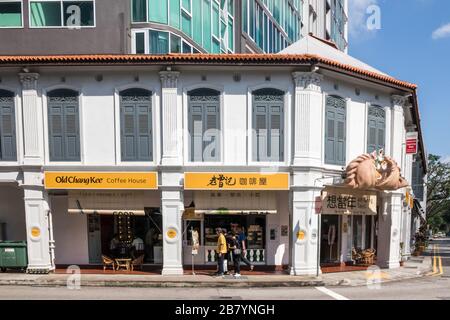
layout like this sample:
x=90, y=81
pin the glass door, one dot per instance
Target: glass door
x=94, y=238
x=329, y=246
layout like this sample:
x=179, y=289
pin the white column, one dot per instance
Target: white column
x=37, y=224
x=172, y=207
x=305, y=233
x=398, y=128
x=346, y=239
x=171, y=119
x=32, y=120
x=388, y=251
x=308, y=116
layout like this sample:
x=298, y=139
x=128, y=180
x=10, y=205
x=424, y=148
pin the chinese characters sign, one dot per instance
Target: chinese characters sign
x=236, y=181
x=346, y=201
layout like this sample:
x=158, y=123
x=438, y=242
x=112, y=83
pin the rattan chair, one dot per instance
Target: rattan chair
x=139, y=261
x=107, y=261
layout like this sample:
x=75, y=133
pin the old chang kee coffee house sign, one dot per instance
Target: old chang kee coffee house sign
x=101, y=180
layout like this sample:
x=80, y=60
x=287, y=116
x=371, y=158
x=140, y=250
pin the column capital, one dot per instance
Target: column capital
x=29, y=80
x=399, y=101
x=169, y=79
x=310, y=81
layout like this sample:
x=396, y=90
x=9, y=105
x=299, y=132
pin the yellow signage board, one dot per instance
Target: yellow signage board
x=102, y=180
x=235, y=181
x=342, y=201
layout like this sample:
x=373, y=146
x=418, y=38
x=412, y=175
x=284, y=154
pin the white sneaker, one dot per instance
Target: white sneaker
x=237, y=275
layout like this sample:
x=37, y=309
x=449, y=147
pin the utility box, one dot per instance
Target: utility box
x=13, y=255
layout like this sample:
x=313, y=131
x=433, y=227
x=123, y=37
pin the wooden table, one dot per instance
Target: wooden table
x=125, y=263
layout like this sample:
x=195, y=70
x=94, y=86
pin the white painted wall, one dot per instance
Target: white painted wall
x=70, y=233
x=277, y=252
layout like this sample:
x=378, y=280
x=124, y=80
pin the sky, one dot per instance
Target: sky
x=411, y=42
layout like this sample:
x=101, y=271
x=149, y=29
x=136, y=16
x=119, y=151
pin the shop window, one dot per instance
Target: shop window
x=59, y=13
x=136, y=125
x=335, y=131
x=10, y=14
x=204, y=125
x=376, y=128
x=8, y=151
x=268, y=125
x=64, y=125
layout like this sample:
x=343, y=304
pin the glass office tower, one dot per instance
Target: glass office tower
x=214, y=26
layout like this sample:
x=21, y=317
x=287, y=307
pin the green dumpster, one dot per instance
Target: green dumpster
x=13, y=255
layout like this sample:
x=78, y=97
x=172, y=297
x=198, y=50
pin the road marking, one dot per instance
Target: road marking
x=332, y=294
x=437, y=262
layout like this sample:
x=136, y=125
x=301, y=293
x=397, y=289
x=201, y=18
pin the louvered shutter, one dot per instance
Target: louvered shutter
x=276, y=133
x=330, y=137
x=196, y=131
x=56, y=132
x=340, y=137
x=128, y=132
x=211, y=114
x=376, y=129
x=260, y=133
x=71, y=134
x=144, y=117
x=7, y=131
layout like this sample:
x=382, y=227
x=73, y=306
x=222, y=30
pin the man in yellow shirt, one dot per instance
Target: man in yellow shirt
x=221, y=250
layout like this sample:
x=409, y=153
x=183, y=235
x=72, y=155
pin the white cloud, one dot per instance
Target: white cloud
x=441, y=32
x=358, y=17
x=446, y=159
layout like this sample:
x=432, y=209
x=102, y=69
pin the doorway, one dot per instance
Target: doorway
x=330, y=236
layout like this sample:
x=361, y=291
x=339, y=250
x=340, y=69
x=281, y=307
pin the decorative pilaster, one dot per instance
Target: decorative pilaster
x=37, y=228
x=388, y=255
x=307, y=115
x=304, y=232
x=398, y=127
x=171, y=119
x=172, y=209
x=32, y=118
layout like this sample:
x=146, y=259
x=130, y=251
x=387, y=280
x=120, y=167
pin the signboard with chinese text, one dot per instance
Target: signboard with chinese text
x=411, y=142
x=342, y=201
x=236, y=181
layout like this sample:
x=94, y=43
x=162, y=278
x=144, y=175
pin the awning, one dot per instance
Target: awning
x=131, y=203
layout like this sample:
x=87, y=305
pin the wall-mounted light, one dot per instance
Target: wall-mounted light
x=99, y=77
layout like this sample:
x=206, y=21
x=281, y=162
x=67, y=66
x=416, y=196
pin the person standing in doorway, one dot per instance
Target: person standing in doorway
x=242, y=239
x=221, y=250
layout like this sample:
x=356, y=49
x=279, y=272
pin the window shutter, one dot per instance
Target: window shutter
x=145, y=144
x=330, y=143
x=381, y=134
x=212, y=132
x=276, y=134
x=335, y=131
x=71, y=135
x=372, y=135
x=56, y=133
x=340, y=141
x=260, y=133
x=128, y=129
x=7, y=132
x=196, y=133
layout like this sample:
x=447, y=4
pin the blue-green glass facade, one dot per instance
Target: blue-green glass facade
x=338, y=23
x=210, y=25
x=203, y=25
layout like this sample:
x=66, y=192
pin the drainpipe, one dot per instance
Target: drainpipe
x=51, y=240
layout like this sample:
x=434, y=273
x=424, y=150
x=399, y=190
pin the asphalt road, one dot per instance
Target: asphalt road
x=434, y=287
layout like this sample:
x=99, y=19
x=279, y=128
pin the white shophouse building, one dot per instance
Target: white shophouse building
x=188, y=142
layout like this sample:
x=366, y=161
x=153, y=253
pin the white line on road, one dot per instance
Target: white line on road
x=332, y=294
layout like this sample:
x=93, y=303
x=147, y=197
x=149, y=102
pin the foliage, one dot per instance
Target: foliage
x=438, y=191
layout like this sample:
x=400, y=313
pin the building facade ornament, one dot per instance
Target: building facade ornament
x=308, y=81
x=29, y=80
x=169, y=79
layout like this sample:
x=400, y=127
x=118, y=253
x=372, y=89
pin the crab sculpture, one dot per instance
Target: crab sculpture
x=374, y=171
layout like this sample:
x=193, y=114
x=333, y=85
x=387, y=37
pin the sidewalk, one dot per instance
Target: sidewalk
x=415, y=268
